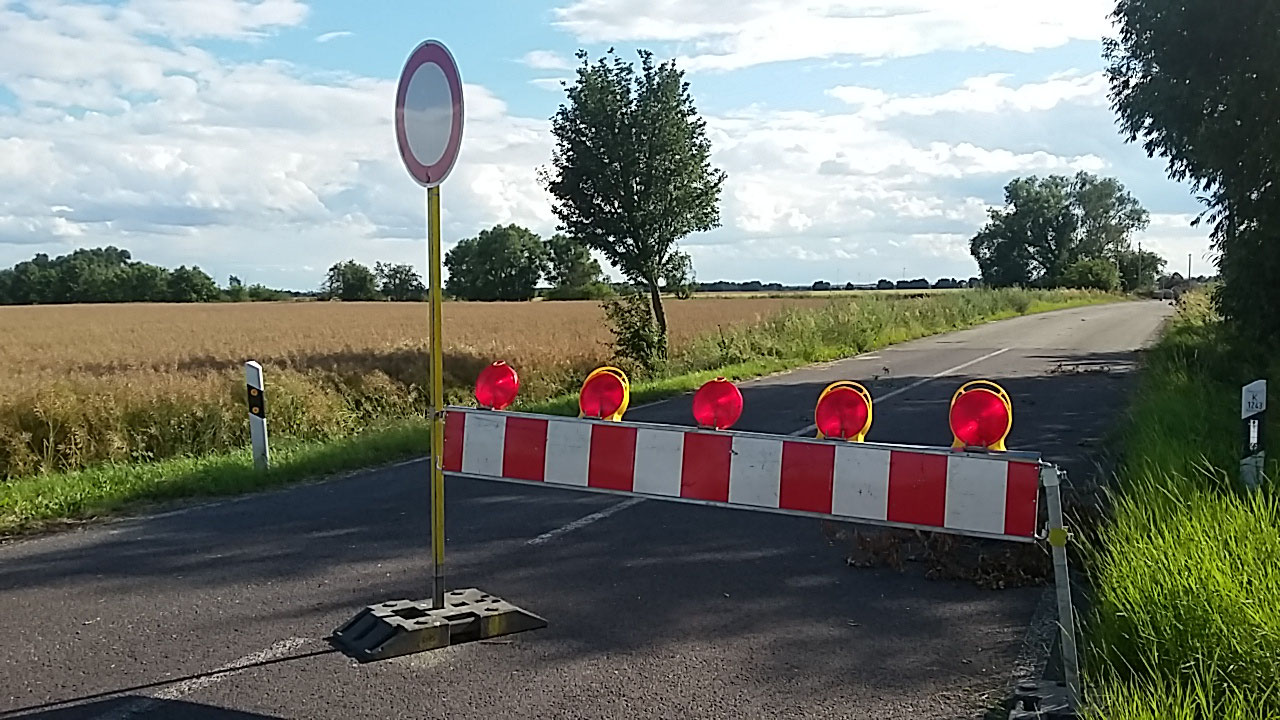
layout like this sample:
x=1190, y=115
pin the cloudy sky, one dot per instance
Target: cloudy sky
x=862, y=138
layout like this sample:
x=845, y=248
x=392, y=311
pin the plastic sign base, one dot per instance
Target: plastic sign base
x=1041, y=700
x=404, y=627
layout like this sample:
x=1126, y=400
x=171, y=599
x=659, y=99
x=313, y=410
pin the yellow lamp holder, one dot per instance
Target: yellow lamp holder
x=861, y=434
x=626, y=390
x=994, y=389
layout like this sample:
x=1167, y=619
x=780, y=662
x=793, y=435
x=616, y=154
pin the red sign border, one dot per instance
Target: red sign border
x=430, y=51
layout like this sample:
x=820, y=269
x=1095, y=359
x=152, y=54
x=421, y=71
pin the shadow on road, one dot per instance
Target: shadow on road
x=124, y=702
x=125, y=707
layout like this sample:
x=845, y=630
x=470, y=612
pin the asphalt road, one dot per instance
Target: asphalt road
x=656, y=610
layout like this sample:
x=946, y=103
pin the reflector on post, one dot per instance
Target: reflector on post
x=605, y=394
x=981, y=415
x=497, y=385
x=843, y=411
x=717, y=404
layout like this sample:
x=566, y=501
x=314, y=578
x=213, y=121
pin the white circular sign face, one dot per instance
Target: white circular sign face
x=428, y=109
x=429, y=113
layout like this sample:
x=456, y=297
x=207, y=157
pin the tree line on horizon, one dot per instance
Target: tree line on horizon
x=111, y=275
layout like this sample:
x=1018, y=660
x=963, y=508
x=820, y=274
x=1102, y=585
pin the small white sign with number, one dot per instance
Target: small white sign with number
x=1253, y=399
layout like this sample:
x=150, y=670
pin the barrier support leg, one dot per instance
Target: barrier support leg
x=1058, y=536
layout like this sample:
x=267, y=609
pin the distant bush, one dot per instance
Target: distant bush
x=594, y=291
x=1095, y=274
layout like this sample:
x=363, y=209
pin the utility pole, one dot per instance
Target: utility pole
x=1141, y=276
x=1188, y=266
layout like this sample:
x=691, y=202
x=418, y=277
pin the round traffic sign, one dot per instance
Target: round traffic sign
x=429, y=113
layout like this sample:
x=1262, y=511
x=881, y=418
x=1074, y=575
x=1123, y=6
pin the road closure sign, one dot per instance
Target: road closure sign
x=429, y=113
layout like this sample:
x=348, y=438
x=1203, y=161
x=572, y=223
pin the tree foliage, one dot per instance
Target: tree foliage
x=101, y=275
x=1092, y=274
x=1198, y=81
x=1049, y=224
x=678, y=276
x=191, y=284
x=571, y=265
x=400, y=283
x=351, y=281
x=1139, y=269
x=504, y=262
x=631, y=171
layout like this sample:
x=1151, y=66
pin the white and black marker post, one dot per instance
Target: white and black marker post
x=1253, y=411
x=257, y=394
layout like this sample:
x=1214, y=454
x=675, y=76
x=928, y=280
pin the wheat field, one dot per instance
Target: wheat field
x=48, y=343
x=89, y=383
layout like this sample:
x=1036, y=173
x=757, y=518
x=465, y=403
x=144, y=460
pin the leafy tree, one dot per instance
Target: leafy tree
x=631, y=171
x=1139, y=269
x=349, y=280
x=571, y=264
x=1049, y=224
x=678, y=276
x=400, y=282
x=260, y=293
x=191, y=284
x=236, y=291
x=504, y=262
x=1092, y=274
x=1197, y=81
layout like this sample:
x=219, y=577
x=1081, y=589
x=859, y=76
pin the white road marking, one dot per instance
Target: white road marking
x=914, y=385
x=180, y=690
x=584, y=521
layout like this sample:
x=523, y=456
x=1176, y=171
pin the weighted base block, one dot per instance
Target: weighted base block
x=404, y=627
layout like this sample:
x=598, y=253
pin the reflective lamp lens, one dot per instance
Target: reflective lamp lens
x=601, y=396
x=718, y=404
x=497, y=386
x=979, y=418
x=842, y=413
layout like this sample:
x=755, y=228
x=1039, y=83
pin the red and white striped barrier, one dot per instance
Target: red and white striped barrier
x=969, y=493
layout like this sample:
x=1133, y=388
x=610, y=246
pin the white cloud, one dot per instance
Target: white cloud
x=727, y=36
x=184, y=157
x=545, y=60
x=326, y=37
x=984, y=94
x=554, y=84
x=196, y=160
x=213, y=18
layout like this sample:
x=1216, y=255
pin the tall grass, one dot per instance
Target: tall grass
x=88, y=402
x=1186, y=569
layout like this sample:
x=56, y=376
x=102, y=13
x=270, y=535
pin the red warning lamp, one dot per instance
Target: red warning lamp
x=981, y=416
x=497, y=386
x=605, y=394
x=717, y=404
x=843, y=411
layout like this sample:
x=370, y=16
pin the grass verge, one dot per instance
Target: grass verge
x=1185, y=569
x=786, y=341
x=41, y=502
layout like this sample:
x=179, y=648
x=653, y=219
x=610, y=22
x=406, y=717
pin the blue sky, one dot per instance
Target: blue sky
x=253, y=137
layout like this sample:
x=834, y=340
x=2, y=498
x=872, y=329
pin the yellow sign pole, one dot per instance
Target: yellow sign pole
x=437, y=400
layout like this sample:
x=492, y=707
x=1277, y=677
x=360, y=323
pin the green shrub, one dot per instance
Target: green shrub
x=1094, y=274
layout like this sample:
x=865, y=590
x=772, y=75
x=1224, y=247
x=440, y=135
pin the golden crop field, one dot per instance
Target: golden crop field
x=87, y=383
x=47, y=343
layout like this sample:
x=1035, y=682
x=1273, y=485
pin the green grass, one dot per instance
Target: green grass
x=36, y=503
x=787, y=341
x=1185, y=570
